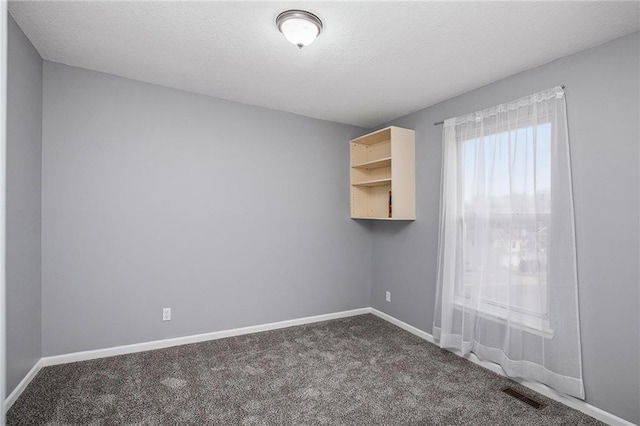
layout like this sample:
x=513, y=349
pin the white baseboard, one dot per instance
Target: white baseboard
x=403, y=325
x=572, y=402
x=166, y=343
x=159, y=344
x=22, y=385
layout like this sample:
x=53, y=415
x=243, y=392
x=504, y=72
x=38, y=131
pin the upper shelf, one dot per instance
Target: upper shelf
x=375, y=164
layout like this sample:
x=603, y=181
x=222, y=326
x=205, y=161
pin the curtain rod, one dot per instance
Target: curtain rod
x=442, y=122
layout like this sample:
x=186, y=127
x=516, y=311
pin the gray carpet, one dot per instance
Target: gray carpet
x=353, y=371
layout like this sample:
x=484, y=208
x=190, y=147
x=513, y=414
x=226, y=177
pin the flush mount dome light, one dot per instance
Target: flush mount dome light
x=299, y=26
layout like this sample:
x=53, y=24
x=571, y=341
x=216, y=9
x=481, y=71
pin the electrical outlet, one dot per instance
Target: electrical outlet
x=388, y=296
x=166, y=314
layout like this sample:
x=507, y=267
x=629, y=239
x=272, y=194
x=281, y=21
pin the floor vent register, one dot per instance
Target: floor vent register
x=524, y=398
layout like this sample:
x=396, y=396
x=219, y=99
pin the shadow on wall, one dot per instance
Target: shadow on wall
x=392, y=227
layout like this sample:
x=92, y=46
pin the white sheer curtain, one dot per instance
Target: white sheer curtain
x=507, y=279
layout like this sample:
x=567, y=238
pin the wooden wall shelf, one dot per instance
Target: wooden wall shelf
x=383, y=164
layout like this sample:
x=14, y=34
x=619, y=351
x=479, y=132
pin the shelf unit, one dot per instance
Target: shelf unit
x=383, y=164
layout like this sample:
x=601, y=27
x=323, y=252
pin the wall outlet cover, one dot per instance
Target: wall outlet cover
x=388, y=296
x=166, y=314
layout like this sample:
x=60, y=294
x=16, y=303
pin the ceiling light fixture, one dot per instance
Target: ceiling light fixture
x=299, y=26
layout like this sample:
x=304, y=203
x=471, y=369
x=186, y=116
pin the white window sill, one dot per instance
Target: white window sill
x=521, y=321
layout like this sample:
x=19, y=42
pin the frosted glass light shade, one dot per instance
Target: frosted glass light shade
x=299, y=32
x=299, y=27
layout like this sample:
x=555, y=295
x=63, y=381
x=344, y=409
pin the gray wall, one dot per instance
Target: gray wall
x=602, y=100
x=24, y=142
x=231, y=215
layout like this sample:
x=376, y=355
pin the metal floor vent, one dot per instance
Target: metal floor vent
x=524, y=398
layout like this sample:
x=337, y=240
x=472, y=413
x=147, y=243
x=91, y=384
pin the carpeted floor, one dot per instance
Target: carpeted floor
x=353, y=371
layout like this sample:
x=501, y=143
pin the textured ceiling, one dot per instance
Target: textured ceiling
x=373, y=62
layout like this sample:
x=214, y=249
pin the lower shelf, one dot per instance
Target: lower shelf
x=382, y=218
x=375, y=182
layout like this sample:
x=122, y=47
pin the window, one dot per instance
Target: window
x=506, y=196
